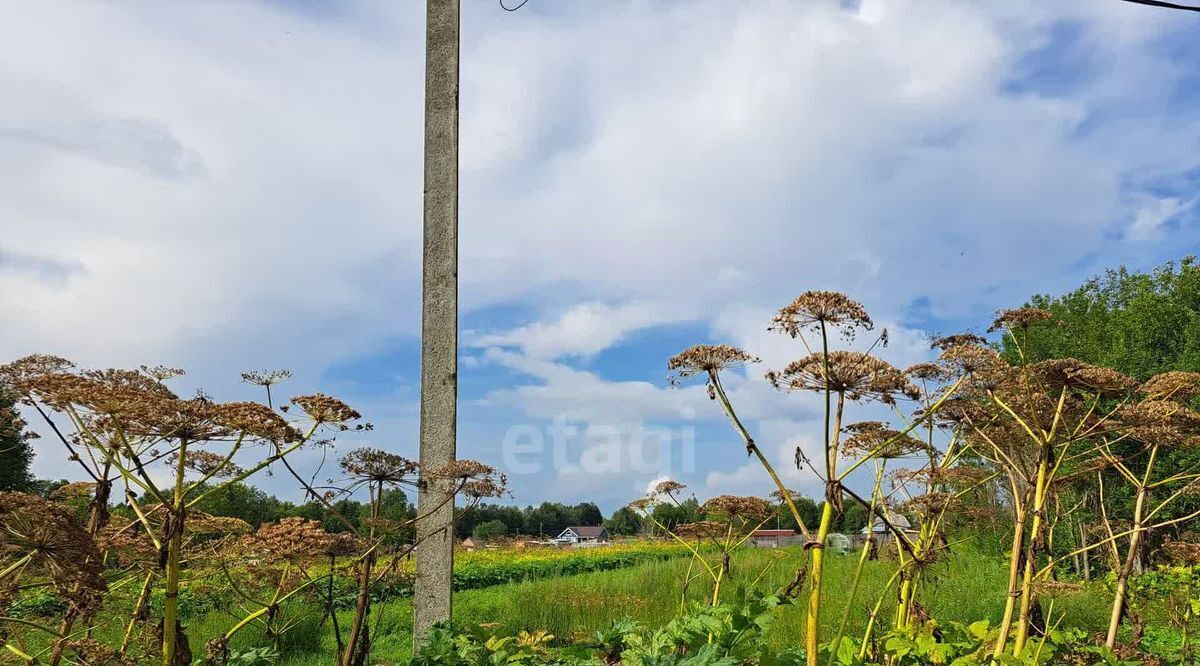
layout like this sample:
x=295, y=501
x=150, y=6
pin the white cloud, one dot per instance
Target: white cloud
x=582, y=330
x=1154, y=213
x=238, y=185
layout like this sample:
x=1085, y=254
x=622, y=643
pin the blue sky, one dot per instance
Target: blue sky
x=228, y=186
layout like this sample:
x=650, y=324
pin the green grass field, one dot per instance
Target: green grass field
x=966, y=587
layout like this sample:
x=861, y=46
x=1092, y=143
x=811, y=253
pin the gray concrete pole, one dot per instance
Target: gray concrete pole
x=439, y=315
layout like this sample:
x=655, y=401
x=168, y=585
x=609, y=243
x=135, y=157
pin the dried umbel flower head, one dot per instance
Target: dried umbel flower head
x=1072, y=373
x=17, y=373
x=193, y=420
x=206, y=463
x=814, y=309
x=488, y=487
x=854, y=374
x=703, y=529
x=162, y=373
x=1162, y=435
x=957, y=340
x=929, y=372
x=971, y=359
x=325, y=409
x=1161, y=413
x=1021, y=318
x=780, y=497
x=266, y=377
x=874, y=439
x=1175, y=385
x=74, y=491
x=297, y=539
x=1186, y=552
x=462, y=469
x=729, y=507
x=203, y=523
x=642, y=504
x=57, y=545
x=379, y=466
x=666, y=487
x=476, y=480
x=929, y=504
x=708, y=359
x=256, y=421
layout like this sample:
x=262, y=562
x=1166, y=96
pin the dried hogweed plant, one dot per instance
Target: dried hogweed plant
x=375, y=472
x=125, y=426
x=1043, y=425
x=730, y=521
x=840, y=376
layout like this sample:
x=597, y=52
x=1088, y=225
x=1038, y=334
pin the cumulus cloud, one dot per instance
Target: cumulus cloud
x=583, y=329
x=239, y=185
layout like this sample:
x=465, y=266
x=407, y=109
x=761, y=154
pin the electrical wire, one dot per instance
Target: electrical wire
x=1159, y=3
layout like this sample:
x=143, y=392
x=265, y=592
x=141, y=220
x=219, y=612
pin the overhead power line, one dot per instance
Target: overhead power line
x=1168, y=5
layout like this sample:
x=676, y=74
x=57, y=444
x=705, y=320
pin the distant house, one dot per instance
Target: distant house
x=583, y=534
x=879, y=533
x=773, y=538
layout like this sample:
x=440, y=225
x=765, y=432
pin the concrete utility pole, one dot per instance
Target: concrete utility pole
x=439, y=316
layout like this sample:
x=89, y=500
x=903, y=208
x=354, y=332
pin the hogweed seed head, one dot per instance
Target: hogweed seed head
x=1072, y=373
x=266, y=377
x=379, y=466
x=813, y=308
x=325, y=409
x=957, y=339
x=1175, y=385
x=706, y=359
x=1021, y=318
x=256, y=421
x=731, y=507
x=855, y=374
x=667, y=487
x=877, y=440
x=702, y=529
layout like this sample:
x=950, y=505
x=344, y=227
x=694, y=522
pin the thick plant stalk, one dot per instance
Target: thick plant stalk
x=858, y=570
x=1121, y=594
x=143, y=597
x=816, y=575
x=1014, y=570
x=1039, y=507
x=174, y=552
x=817, y=570
x=358, y=640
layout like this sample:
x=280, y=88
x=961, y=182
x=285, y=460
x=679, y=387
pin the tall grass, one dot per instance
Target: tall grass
x=963, y=588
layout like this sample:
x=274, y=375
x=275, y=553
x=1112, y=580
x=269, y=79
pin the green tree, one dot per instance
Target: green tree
x=586, y=513
x=490, y=530
x=1139, y=323
x=15, y=453
x=624, y=522
x=238, y=500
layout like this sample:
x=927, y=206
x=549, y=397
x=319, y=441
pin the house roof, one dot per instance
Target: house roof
x=897, y=520
x=773, y=533
x=588, y=531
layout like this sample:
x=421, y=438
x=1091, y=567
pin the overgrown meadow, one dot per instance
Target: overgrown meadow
x=1026, y=509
